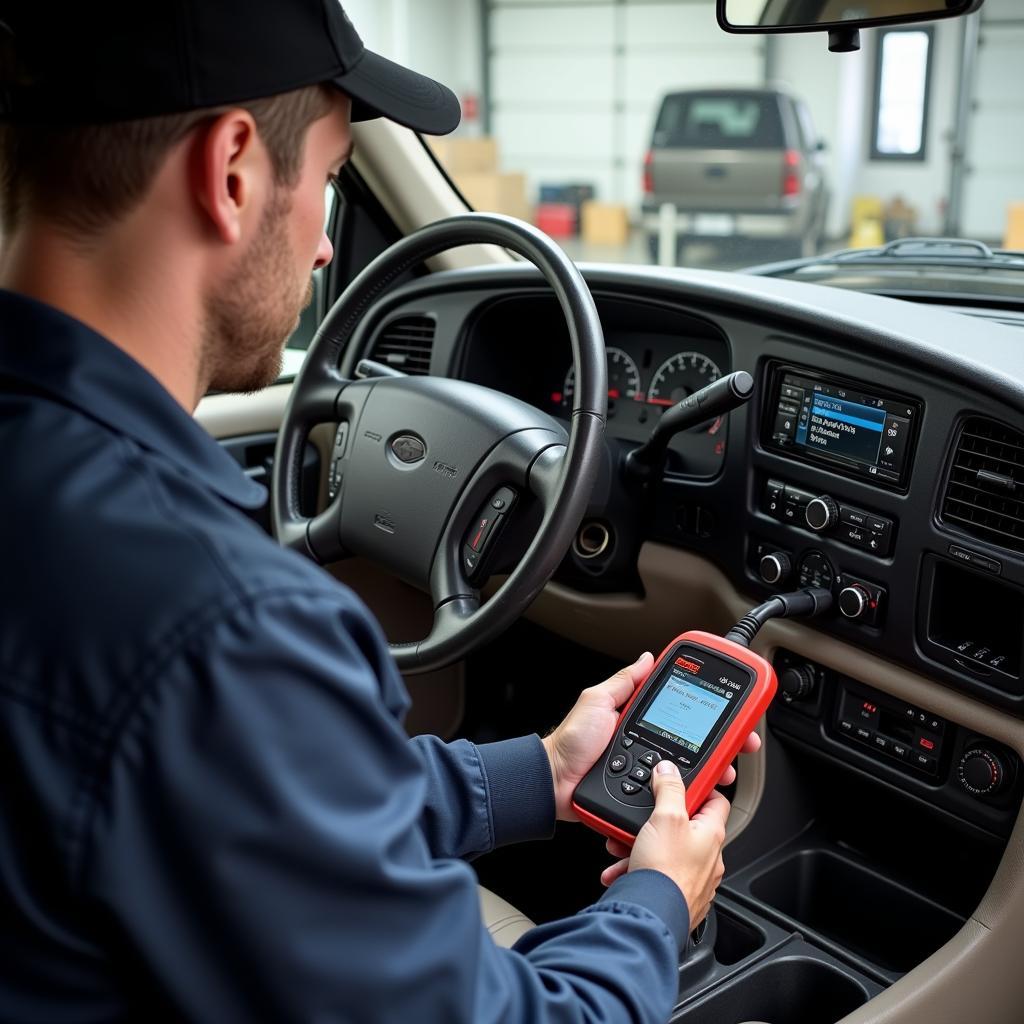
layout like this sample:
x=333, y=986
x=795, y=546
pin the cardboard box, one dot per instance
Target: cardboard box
x=604, y=223
x=495, y=193
x=466, y=156
x=1014, y=227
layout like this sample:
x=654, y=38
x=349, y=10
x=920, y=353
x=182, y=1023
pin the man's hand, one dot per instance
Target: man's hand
x=688, y=850
x=575, y=745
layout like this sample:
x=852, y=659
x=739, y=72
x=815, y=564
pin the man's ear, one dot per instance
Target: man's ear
x=227, y=164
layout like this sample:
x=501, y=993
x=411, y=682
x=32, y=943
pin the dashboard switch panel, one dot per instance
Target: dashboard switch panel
x=822, y=514
x=891, y=729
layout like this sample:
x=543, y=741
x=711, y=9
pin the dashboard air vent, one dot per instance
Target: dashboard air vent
x=406, y=344
x=985, y=492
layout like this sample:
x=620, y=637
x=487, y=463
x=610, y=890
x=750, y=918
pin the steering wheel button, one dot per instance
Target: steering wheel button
x=470, y=559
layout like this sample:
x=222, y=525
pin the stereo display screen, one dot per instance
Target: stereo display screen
x=831, y=421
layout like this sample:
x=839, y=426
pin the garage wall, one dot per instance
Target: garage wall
x=924, y=185
x=440, y=38
x=576, y=100
x=995, y=142
x=839, y=89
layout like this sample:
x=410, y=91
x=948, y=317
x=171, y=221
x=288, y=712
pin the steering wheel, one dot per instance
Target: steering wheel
x=426, y=460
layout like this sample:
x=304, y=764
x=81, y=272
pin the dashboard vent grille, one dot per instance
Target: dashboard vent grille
x=985, y=493
x=406, y=344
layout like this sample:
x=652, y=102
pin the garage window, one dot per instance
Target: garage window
x=902, y=82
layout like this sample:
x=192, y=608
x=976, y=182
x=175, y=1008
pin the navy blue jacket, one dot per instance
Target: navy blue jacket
x=209, y=809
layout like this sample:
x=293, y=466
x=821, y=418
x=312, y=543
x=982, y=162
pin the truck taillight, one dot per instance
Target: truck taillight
x=790, y=177
x=648, y=174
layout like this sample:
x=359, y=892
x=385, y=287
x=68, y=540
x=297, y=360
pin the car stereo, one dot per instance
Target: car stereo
x=853, y=428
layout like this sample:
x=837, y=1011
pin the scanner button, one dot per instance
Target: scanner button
x=630, y=788
x=626, y=742
x=640, y=774
x=618, y=764
x=650, y=758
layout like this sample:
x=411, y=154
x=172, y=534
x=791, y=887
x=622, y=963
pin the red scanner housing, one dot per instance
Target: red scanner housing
x=698, y=667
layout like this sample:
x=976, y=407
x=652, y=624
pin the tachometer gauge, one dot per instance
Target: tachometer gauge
x=679, y=377
x=623, y=381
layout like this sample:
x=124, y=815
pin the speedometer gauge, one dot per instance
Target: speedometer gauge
x=623, y=380
x=680, y=376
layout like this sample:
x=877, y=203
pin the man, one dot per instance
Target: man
x=210, y=810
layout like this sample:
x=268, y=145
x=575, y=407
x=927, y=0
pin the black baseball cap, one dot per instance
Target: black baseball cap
x=76, y=61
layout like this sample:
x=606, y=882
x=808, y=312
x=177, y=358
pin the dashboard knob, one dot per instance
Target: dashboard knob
x=821, y=513
x=981, y=772
x=797, y=681
x=854, y=601
x=775, y=567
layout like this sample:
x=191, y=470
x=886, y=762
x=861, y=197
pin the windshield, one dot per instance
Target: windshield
x=640, y=132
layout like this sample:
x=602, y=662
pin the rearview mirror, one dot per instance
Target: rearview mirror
x=841, y=18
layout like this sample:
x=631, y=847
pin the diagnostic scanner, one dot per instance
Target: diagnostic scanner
x=698, y=704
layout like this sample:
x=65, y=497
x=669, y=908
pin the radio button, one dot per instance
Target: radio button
x=901, y=750
x=878, y=525
x=853, y=516
x=797, y=497
x=650, y=758
x=785, y=425
x=894, y=442
x=863, y=734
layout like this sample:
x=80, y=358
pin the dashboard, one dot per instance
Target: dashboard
x=880, y=457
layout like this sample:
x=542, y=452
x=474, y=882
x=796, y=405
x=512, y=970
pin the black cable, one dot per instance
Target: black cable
x=807, y=602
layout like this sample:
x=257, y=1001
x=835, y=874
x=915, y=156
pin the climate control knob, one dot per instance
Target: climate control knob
x=821, y=513
x=981, y=772
x=854, y=602
x=797, y=681
x=775, y=567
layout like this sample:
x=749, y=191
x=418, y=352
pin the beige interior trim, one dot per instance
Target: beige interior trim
x=389, y=157
x=976, y=976
x=226, y=416
x=504, y=922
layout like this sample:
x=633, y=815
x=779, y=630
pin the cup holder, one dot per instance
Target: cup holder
x=787, y=990
x=736, y=939
x=873, y=917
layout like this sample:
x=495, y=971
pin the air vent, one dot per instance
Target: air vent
x=406, y=344
x=985, y=493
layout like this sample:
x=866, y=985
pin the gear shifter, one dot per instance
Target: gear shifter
x=716, y=399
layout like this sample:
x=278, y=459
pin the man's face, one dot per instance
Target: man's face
x=251, y=317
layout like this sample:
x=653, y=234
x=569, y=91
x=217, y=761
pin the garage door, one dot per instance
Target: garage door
x=574, y=86
x=995, y=148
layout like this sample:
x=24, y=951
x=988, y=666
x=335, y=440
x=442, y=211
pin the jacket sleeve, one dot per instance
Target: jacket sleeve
x=257, y=850
x=480, y=797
